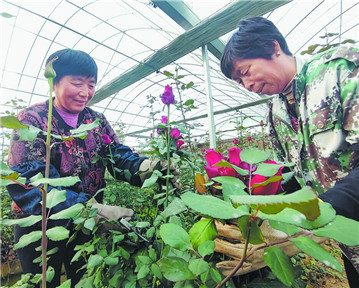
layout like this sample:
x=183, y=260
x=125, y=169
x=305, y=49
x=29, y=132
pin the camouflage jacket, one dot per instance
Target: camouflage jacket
x=326, y=92
x=322, y=141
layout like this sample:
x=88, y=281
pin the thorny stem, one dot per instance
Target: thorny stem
x=168, y=152
x=183, y=115
x=244, y=257
x=250, y=178
x=44, y=190
x=197, y=254
x=263, y=137
x=111, y=157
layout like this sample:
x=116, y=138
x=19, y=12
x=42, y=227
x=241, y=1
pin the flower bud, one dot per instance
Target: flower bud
x=167, y=97
x=49, y=70
x=106, y=139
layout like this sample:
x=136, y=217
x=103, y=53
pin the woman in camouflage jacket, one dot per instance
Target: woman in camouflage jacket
x=314, y=120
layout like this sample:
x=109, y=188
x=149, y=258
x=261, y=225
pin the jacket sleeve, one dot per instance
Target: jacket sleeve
x=344, y=195
x=126, y=164
x=29, y=200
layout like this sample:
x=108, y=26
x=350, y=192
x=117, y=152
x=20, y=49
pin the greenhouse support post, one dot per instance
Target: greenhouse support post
x=207, y=78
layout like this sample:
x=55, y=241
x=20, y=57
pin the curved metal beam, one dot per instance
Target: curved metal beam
x=206, y=31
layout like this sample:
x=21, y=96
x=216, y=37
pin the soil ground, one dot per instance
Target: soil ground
x=330, y=278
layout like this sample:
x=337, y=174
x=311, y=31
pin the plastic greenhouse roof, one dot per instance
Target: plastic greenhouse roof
x=135, y=42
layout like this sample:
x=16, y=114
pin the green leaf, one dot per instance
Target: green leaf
x=142, y=273
x=144, y=259
x=312, y=248
x=198, y=266
x=269, y=180
x=231, y=186
x=175, y=207
x=215, y=275
x=6, y=174
x=94, y=260
x=175, y=269
x=155, y=269
x=189, y=85
x=66, y=284
x=224, y=163
x=68, y=213
x=287, y=176
x=50, y=273
x=82, y=130
x=6, y=171
x=341, y=229
x=202, y=231
x=11, y=122
x=58, y=233
x=55, y=197
x=211, y=206
x=175, y=236
x=124, y=253
x=63, y=181
x=255, y=236
x=188, y=102
x=6, y=15
x=4, y=181
x=291, y=216
x=142, y=224
x=206, y=248
x=150, y=232
x=254, y=155
x=289, y=229
x=152, y=180
x=280, y=264
x=28, y=239
x=267, y=169
x=305, y=201
x=76, y=257
x=90, y=223
x=152, y=254
x=23, y=222
x=29, y=134
x=167, y=73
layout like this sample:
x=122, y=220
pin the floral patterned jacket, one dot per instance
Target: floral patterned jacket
x=76, y=157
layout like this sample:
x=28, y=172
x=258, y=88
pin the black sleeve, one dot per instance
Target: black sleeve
x=29, y=200
x=344, y=196
x=126, y=164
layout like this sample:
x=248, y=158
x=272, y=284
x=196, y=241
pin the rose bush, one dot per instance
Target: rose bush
x=257, y=184
x=250, y=201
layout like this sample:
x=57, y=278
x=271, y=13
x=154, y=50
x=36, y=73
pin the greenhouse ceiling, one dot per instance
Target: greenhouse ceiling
x=139, y=44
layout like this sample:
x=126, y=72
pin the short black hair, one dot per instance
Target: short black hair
x=72, y=62
x=254, y=39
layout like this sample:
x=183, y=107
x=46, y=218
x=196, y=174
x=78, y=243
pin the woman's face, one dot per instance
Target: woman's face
x=260, y=75
x=73, y=93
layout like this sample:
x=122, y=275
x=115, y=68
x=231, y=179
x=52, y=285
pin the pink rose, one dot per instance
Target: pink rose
x=233, y=155
x=164, y=119
x=269, y=189
x=106, y=139
x=179, y=143
x=235, y=159
x=175, y=133
x=213, y=157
